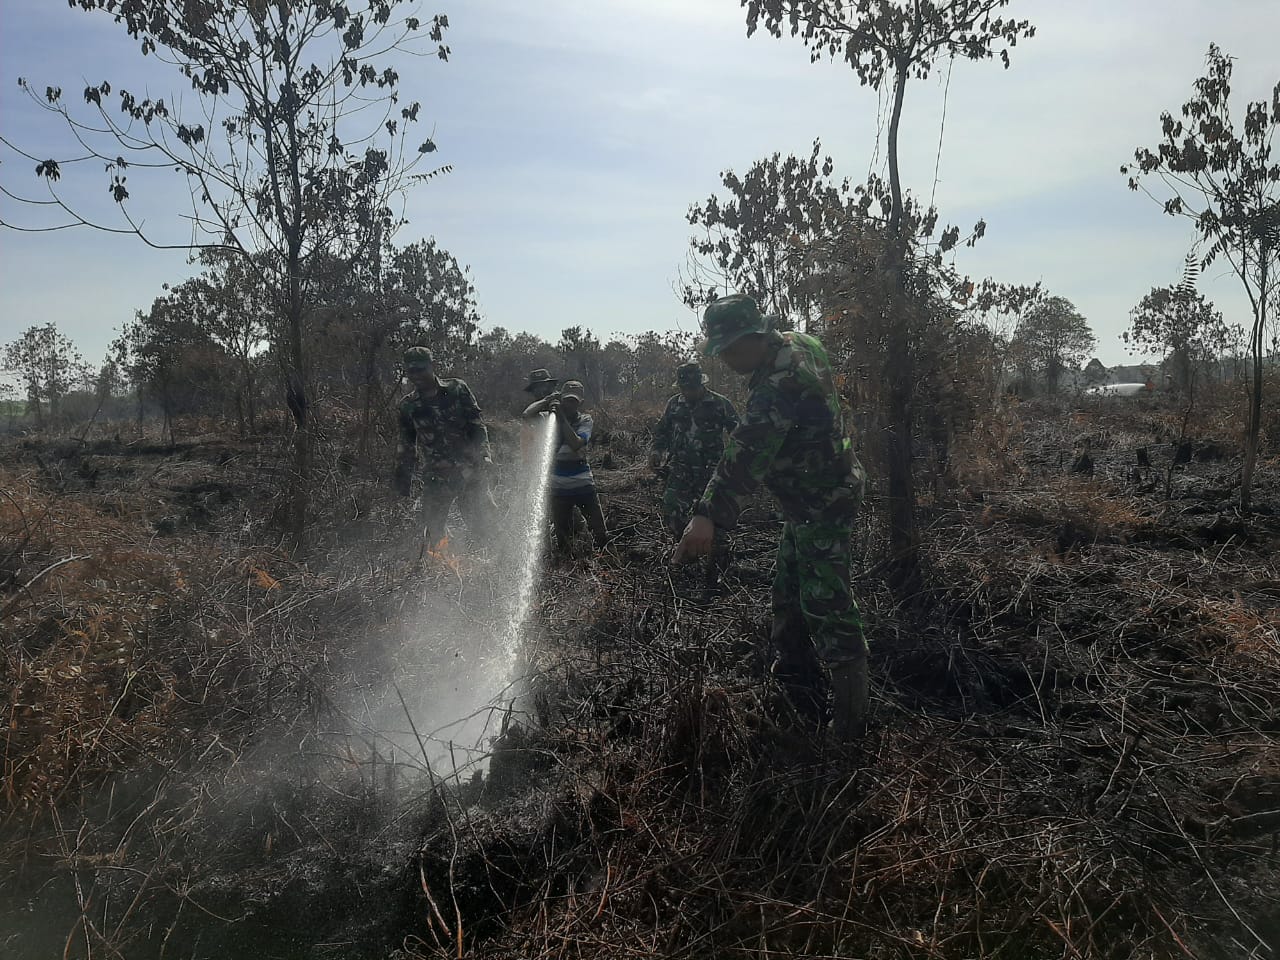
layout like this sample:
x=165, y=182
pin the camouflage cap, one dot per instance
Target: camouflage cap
x=728, y=320
x=690, y=374
x=418, y=358
x=541, y=375
x=571, y=388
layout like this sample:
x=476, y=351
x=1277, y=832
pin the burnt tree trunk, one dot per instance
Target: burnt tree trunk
x=1256, y=344
x=904, y=535
x=299, y=405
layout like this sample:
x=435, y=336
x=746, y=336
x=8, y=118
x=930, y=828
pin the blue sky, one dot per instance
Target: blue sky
x=581, y=132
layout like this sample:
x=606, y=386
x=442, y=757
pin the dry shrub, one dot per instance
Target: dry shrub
x=1072, y=751
x=125, y=651
x=1222, y=412
x=987, y=455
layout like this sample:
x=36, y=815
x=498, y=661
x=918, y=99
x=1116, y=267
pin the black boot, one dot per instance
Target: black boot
x=717, y=564
x=796, y=666
x=804, y=688
x=849, y=700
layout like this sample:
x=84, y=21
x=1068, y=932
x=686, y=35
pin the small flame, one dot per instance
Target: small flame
x=441, y=553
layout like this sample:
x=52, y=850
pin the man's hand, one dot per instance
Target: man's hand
x=553, y=406
x=697, y=540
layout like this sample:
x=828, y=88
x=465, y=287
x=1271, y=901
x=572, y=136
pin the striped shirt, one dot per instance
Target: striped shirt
x=571, y=474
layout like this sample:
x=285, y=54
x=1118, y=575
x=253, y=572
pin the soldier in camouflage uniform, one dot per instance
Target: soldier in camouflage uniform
x=691, y=436
x=792, y=439
x=442, y=420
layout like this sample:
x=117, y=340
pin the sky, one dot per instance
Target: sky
x=580, y=133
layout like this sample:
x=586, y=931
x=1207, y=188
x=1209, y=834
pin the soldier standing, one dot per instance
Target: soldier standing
x=690, y=436
x=792, y=439
x=442, y=420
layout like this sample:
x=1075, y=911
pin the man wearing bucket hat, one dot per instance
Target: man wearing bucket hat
x=442, y=421
x=572, y=486
x=540, y=383
x=792, y=439
x=691, y=436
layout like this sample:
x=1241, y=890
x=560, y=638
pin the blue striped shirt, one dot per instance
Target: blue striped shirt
x=571, y=474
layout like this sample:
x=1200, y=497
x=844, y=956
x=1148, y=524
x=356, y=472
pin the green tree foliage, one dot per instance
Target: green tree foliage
x=887, y=42
x=296, y=144
x=497, y=368
x=233, y=306
x=1051, y=339
x=171, y=359
x=814, y=248
x=49, y=367
x=580, y=359
x=1183, y=326
x=1228, y=183
x=365, y=318
x=756, y=239
x=639, y=370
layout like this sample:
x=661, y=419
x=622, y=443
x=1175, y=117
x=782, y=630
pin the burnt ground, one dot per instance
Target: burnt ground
x=1073, y=752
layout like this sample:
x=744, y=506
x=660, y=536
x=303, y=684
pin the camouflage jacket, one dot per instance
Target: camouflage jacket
x=693, y=433
x=446, y=427
x=791, y=439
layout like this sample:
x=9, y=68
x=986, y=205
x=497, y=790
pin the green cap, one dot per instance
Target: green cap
x=728, y=320
x=418, y=358
x=690, y=374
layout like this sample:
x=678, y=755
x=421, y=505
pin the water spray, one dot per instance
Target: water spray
x=531, y=535
x=450, y=702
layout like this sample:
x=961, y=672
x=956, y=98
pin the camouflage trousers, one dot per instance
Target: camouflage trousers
x=471, y=492
x=684, y=488
x=813, y=606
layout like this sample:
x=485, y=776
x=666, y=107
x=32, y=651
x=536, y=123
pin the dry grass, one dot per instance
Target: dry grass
x=1073, y=755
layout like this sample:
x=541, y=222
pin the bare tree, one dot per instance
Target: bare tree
x=890, y=43
x=757, y=239
x=296, y=146
x=1228, y=183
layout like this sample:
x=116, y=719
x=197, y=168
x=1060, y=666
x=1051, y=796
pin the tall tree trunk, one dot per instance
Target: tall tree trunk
x=250, y=388
x=167, y=403
x=240, y=412
x=34, y=408
x=366, y=415
x=1255, y=395
x=299, y=407
x=904, y=535
x=1184, y=364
